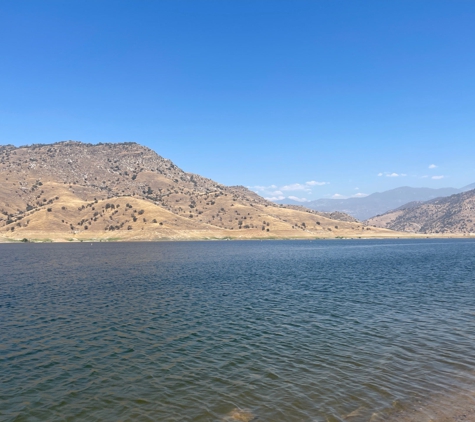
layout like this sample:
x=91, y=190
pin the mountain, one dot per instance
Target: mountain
x=453, y=214
x=468, y=187
x=336, y=215
x=76, y=191
x=380, y=202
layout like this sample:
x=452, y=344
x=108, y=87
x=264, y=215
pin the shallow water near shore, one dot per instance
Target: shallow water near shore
x=353, y=330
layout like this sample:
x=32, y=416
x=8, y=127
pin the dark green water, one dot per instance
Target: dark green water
x=289, y=331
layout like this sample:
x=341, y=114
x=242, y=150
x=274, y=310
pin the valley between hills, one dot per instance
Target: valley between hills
x=72, y=191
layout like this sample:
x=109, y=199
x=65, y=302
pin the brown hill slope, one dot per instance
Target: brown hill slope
x=72, y=190
x=453, y=214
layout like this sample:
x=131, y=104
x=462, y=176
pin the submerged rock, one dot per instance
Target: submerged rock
x=241, y=415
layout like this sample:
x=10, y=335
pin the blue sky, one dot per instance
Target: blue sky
x=302, y=99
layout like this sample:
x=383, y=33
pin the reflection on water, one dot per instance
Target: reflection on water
x=236, y=331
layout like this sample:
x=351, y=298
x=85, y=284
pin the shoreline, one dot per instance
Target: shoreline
x=8, y=240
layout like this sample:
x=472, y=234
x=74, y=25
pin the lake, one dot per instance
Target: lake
x=221, y=331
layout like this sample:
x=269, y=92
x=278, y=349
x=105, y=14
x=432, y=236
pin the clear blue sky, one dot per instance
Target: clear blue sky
x=259, y=93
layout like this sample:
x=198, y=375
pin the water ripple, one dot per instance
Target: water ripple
x=235, y=331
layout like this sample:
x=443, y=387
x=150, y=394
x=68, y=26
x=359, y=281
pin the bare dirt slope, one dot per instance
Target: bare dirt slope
x=71, y=190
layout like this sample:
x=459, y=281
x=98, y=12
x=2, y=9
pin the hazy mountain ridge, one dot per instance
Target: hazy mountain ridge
x=76, y=189
x=453, y=214
x=381, y=202
x=336, y=215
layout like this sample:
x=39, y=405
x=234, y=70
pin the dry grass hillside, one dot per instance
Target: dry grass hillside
x=450, y=215
x=71, y=190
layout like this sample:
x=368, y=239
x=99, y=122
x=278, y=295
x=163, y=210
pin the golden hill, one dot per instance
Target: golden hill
x=71, y=190
x=449, y=215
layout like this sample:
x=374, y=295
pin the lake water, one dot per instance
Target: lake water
x=222, y=331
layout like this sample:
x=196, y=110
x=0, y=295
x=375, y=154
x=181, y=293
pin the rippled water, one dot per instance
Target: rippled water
x=215, y=331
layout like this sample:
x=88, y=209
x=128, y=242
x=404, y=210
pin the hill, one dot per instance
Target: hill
x=379, y=202
x=71, y=190
x=453, y=214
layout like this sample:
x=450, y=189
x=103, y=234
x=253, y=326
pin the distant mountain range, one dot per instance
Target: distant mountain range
x=379, y=202
x=452, y=214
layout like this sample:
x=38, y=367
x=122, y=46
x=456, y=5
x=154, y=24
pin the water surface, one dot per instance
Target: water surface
x=192, y=331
